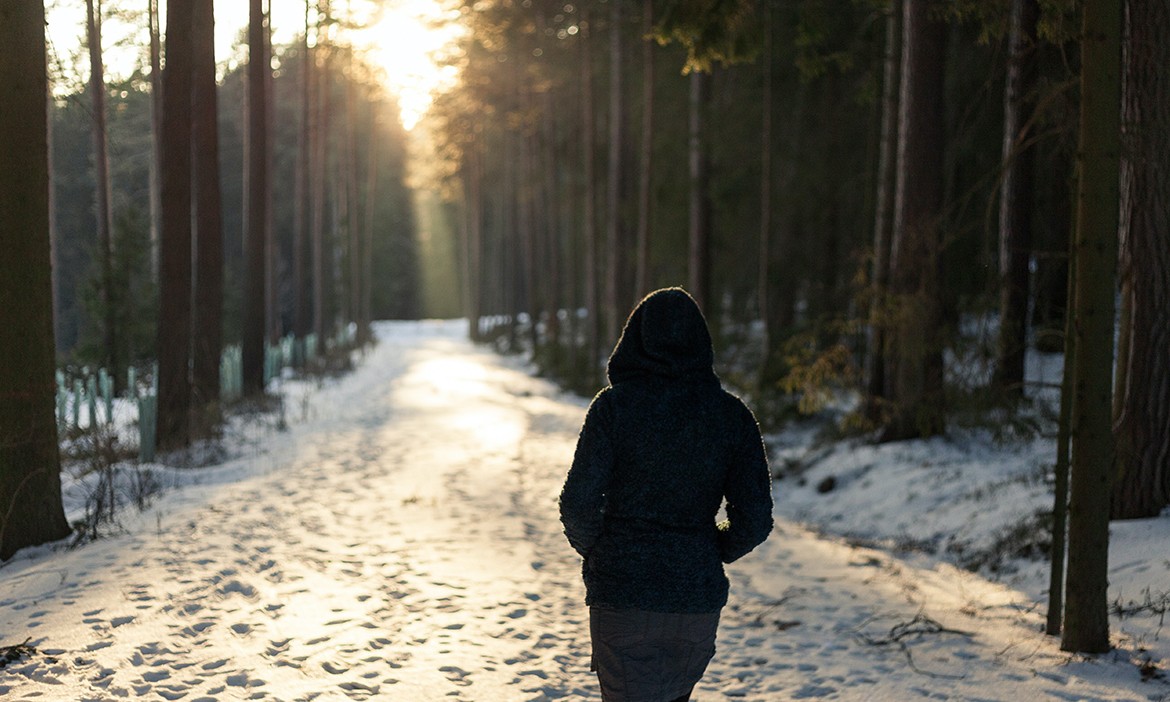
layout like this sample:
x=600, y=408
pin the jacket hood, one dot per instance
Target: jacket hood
x=666, y=336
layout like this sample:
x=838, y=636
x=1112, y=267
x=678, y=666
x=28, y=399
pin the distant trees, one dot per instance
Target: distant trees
x=364, y=227
x=872, y=194
x=30, y=485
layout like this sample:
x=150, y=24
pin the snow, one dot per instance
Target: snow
x=399, y=540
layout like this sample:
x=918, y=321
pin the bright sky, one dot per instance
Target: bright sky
x=405, y=38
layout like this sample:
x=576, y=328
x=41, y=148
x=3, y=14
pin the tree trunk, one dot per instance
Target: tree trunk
x=1142, y=394
x=208, y=268
x=699, y=220
x=174, y=324
x=301, y=319
x=764, y=269
x=914, y=349
x=1086, y=615
x=887, y=172
x=589, y=192
x=646, y=166
x=272, y=317
x=153, y=20
x=322, y=320
x=353, y=228
x=1056, y=571
x=615, y=259
x=102, y=191
x=1016, y=200
x=255, y=250
x=473, y=256
x=365, y=318
x=31, y=512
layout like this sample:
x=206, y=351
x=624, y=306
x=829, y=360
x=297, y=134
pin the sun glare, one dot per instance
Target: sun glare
x=409, y=42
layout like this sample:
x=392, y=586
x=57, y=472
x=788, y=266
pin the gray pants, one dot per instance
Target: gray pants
x=644, y=656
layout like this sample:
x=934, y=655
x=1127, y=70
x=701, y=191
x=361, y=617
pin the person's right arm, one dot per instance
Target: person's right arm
x=582, y=499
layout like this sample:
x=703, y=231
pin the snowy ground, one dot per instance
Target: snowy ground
x=400, y=542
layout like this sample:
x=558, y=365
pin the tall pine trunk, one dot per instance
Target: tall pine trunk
x=152, y=14
x=174, y=324
x=272, y=318
x=322, y=320
x=255, y=246
x=699, y=217
x=365, y=318
x=614, y=251
x=300, y=276
x=887, y=173
x=1142, y=394
x=914, y=364
x=1086, y=614
x=646, y=164
x=764, y=265
x=208, y=268
x=31, y=511
x=103, y=210
x=589, y=194
x=1016, y=200
x=473, y=246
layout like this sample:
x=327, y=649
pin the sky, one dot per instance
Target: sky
x=404, y=38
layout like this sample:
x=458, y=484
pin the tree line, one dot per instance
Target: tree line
x=843, y=185
x=182, y=212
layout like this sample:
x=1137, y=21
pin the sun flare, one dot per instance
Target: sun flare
x=409, y=42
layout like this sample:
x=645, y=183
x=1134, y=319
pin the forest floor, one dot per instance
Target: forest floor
x=400, y=541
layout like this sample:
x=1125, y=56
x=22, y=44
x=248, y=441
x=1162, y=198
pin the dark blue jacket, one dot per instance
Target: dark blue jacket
x=660, y=450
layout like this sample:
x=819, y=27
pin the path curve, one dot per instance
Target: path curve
x=400, y=542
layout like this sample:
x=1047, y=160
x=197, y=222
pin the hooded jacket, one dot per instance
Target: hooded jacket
x=661, y=448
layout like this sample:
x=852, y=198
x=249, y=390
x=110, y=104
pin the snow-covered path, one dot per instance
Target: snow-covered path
x=400, y=542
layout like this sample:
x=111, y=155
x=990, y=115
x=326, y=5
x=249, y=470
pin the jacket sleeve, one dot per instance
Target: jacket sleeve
x=582, y=499
x=749, y=495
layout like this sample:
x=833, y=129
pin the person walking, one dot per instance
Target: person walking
x=662, y=448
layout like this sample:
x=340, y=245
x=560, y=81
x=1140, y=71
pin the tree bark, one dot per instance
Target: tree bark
x=174, y=325
x=272, y=317
x=322, y=319
x=699, y=220
x=473, y=256
x=887, y=172
x=589, y=193
x=365, y=333
x=103, y=209
x=208, y=268
x=615, y=260
x=1086, y=615
x=646, y=165
x=153, y=21
x=764, y=268
x=1142, y=394
x=914, y=350
x=256, y=251
x=31, y=511
x=301, y=318
x=1016, y=200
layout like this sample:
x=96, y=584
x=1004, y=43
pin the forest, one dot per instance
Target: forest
x=865, y=197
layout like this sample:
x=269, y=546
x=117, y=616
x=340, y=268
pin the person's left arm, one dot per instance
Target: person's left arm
x=748, y=489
